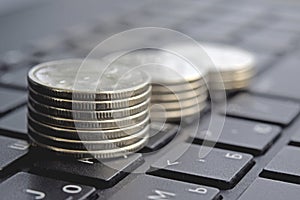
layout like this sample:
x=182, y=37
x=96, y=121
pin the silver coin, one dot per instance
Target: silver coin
x=100, y=154
x=177, y=115
x=163, y=66
x=233, y=67
x=181, y=104
x=231, y=85
x=88, y=115
x=227, y=58
x=249, y=70
x=104, y=144
x=87, y=135
x=87, y=125
x=177, y=96
x=159, y=88
x=95, y=81
x=90, y=105
x=233, y=76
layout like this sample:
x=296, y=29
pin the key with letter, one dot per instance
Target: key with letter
x=237, y=134
x=155, y=188
x=220, y=168
x=28, y=186
x=11, y=150
x=102, y=175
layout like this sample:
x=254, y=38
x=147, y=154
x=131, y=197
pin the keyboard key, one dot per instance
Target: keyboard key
x=49, y=45
x=262, y=109
x=285, y=25
x=15, y=123
x=295, y=139
x=15, y=78
x=30, y=186
x=271, y=190
x=11, y=150
x=269, y=41
x=160, y=135
x=102, y=175
x=150, y=187
x=14, y=59
x=238, y=135
x=282, y=80
x=10, y=99
x=285, y=165
x=220, y=168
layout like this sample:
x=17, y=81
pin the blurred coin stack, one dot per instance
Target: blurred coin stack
x=84, y=110
x=232, y=69
x=178, y=89
x=174, y=99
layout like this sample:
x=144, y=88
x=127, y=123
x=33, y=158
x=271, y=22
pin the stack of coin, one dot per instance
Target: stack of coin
x=85, y=109
x=232, y=69
x=178, y=89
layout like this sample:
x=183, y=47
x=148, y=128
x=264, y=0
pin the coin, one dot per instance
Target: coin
x=177, y=96
x=175, y=81
x=97, y=81
x=174, y=115
x=159, y=88
x=181, y=104
x=98, y=154
x=87, y=135
x=88, y=108
x=159, y=63
x=228, y=59
x=231, y=85
x=87, y=125
x=233, y=67
x=233, y=77
x=90, y=105
x=88, y=115
x=103, y=144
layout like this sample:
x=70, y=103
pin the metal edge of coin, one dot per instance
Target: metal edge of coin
x=247, y=70
x=142, y=57
x=90, y=145
x=87, y=134
x=55, y=91
x=199, y=81
x=214, y=51
x=177, y=114
x=103, y=124
x=89, y=96
x=92, y=105
x=102, y=154
x=230, y=85
x=244, y=70
x=232, y=77
x=180, y=87
x=182, y=104
x=88, y=115
x=176, y=96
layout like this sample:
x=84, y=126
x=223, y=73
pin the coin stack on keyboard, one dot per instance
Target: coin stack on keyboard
x=178, y=89
x=233, y=67
x=76, y=113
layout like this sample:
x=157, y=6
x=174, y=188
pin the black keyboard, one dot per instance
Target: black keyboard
x=257, y=155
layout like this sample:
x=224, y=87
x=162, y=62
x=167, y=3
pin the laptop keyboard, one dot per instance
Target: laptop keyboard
x=256, y=156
